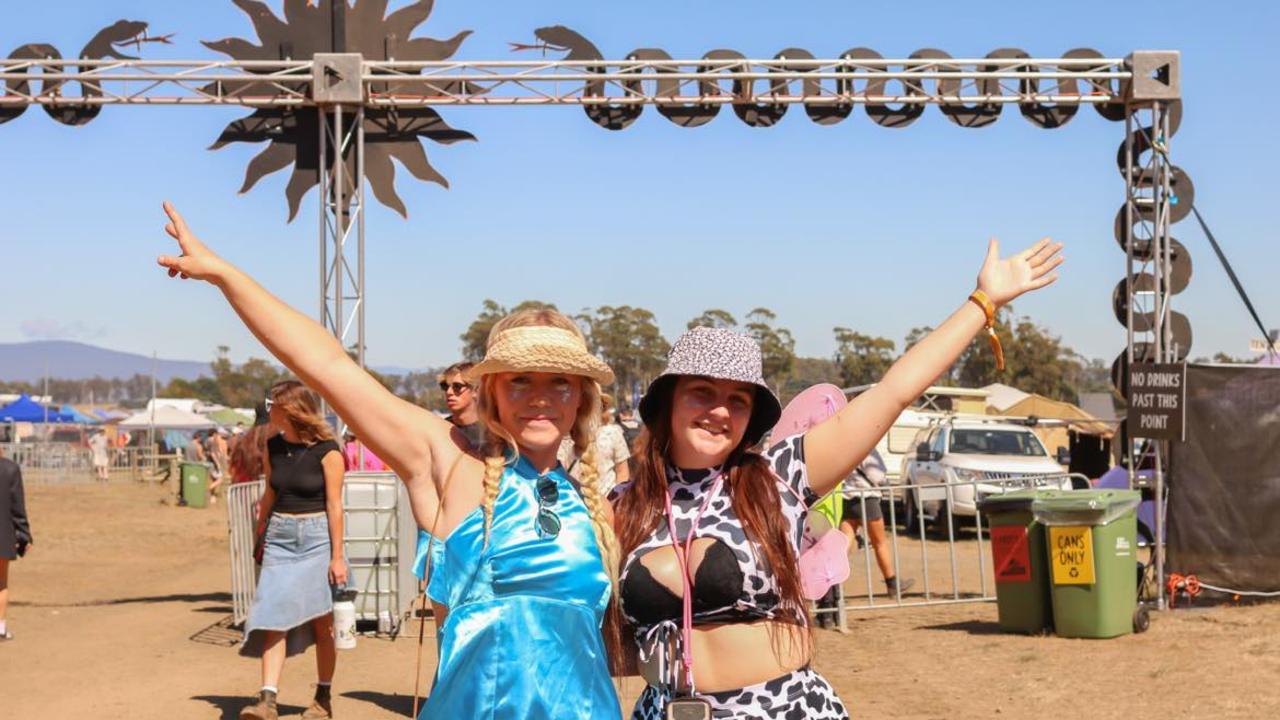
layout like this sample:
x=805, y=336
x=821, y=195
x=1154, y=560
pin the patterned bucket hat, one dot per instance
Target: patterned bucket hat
x=723, y=355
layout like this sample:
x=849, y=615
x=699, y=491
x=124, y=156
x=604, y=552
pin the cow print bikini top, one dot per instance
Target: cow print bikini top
x=733, y=582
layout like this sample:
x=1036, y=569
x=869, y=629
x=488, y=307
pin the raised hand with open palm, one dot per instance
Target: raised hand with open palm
x=1005, y=279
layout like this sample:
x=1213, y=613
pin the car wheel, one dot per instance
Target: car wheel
x=912, y=513
x=940, y=520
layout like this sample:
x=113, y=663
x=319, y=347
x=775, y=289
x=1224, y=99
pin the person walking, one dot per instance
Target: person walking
x=862, y=510
x=219, y=458
x=15, y=532
x=524, y=573
x=98, y=448
x=710, y=528
x=300, y=525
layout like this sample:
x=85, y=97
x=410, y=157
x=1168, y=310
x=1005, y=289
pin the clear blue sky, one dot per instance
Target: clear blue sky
x=855, y=225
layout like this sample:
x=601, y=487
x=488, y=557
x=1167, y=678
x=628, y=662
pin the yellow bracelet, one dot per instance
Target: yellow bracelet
x=989, y=310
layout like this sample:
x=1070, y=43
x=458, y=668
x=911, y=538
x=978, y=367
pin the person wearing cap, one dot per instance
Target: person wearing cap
x=727, y=634
x=520, y=561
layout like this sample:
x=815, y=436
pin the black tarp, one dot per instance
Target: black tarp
x=1224, y=495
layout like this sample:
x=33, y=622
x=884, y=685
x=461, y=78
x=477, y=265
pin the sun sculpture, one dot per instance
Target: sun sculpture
x=293, y=134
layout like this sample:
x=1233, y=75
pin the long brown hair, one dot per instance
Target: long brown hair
x=247, y=453
x=753, y=491
x=302, y=408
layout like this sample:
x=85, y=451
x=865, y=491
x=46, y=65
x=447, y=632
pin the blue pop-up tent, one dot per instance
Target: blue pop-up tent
x=24, y=409
x=77, y=416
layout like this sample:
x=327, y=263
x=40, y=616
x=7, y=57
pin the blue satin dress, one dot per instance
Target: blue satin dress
x=522, y=640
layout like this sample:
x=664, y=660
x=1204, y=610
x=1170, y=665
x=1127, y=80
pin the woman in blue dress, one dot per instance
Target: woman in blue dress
x=527, y=558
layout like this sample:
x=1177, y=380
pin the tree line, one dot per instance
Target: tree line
x=628, y=338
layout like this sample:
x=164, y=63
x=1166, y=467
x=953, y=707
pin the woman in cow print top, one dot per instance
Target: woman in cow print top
x=741, y=512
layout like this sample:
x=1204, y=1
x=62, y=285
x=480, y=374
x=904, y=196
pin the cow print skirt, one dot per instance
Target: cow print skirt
x=799, y=695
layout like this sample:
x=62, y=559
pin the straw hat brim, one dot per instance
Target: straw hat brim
x=540, y=349
x=590, y=367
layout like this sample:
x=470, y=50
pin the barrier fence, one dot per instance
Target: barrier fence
x=242, y=513
x=62, y=462
x=935, y=537
x=379, y=535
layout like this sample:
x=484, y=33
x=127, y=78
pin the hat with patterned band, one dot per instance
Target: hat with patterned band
x=539, y=348
x=722, y=355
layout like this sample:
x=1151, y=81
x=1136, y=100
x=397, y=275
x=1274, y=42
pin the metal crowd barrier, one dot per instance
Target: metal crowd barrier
x=380, y=538
x=60, y=462
x=242, y=515
x=51, y=462
x=948, y=562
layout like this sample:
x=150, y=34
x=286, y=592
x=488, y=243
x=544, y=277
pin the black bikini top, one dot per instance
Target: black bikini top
x=733, y=582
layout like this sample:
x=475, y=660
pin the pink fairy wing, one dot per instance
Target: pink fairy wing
x=824, y=564
x=809, y=408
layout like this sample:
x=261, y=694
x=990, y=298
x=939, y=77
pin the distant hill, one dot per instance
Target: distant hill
x=24, y=362
x=77, y=361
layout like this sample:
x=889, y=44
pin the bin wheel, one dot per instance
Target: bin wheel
x=1141, y=619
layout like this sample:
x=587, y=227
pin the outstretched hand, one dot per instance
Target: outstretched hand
x=1005, y=279
x=196, y=261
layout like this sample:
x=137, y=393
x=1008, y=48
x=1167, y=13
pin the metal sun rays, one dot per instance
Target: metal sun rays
x=293, y=134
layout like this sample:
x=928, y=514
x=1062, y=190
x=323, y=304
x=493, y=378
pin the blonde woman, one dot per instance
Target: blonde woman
x=526, y=561
x=300, y=523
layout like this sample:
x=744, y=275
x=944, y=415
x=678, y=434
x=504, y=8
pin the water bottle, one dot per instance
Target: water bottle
x=344, y=618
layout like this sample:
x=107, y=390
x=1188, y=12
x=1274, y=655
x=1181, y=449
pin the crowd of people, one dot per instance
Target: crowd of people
x=545, y=582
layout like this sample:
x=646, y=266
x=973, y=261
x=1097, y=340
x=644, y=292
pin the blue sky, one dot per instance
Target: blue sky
x=854, y=225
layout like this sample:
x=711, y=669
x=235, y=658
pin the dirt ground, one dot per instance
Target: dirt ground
x=121, y=611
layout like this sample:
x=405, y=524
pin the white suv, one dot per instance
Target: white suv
x=959, y=462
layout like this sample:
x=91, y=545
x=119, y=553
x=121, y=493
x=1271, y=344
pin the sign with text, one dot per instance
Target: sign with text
x=1157, y=400
x=1071, y=555
x=1261, y=346
x=1012, y=556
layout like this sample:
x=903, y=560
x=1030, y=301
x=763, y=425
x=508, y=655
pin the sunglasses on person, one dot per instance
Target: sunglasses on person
x=267, y=403
x=548, y=496
x=457, y=387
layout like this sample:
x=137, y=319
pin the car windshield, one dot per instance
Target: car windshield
x=996, y=442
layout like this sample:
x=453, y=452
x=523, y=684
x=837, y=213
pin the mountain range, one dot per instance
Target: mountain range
x=67, y=360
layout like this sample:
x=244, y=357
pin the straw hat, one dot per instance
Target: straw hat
x=539, y=348
x=723, y=355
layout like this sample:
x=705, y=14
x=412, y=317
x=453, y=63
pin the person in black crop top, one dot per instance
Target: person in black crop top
x=700, y=477
x=300, y=523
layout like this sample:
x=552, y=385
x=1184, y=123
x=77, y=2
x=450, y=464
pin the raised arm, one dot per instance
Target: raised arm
x=414, y=442
x=834, y=448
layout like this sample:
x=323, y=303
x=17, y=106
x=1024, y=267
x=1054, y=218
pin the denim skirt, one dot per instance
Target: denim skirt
x=293, y=588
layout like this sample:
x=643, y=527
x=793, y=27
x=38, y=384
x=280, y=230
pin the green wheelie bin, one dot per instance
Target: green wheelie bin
x=195, y=484
x=1018, y=552
x=1091, y=550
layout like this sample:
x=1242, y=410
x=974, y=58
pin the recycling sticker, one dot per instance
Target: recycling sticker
x=1071, y=555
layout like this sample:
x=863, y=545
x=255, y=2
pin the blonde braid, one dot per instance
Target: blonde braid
x=589, y=489
x=589, y=481
x=494, y=466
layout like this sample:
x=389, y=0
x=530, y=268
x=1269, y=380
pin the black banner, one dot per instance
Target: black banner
x=1224, y=494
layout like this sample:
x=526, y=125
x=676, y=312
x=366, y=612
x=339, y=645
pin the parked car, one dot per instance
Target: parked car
x=960, y=461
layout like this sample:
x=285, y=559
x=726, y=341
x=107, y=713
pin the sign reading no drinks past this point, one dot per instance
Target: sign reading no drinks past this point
x=1157, y=400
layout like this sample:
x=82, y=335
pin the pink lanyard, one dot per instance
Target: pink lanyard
x=686, y=645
